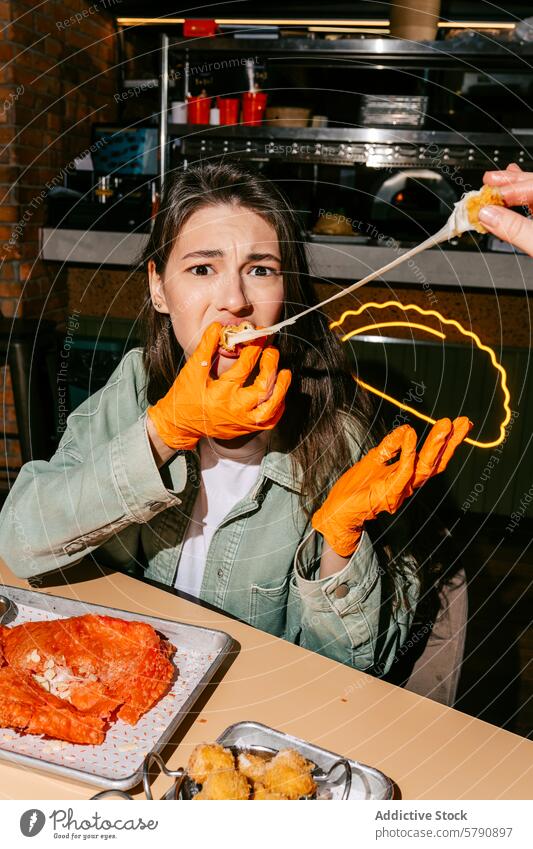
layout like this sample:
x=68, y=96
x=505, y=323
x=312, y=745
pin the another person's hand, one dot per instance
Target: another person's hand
x=516, y=187
x=198, y=405
x=376, y=484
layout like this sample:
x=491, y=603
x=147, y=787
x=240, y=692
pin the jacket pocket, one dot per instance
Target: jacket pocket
x=293, y=625
x=268, y=607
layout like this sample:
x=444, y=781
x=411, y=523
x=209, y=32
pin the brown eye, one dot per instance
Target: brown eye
x=201, y=270
x=263, y=271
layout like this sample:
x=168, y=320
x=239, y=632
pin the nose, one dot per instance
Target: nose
x=229, y=294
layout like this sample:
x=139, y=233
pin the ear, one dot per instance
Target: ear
x=157, y=289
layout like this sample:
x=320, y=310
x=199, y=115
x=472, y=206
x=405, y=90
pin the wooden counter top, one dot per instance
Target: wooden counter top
x=429, y=751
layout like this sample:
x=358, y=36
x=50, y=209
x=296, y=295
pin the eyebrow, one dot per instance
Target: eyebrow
x=216, y=253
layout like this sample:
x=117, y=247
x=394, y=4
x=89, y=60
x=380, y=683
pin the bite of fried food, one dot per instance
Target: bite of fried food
x=289, y=773
x=86, y=669
x=228, y=784
x=209, y=759
x=229, y=329
x=487, y=195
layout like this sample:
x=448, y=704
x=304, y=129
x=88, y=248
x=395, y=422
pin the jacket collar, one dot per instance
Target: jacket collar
x=277, y=465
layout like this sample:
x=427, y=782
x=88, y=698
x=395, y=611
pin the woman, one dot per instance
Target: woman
x=218, y=475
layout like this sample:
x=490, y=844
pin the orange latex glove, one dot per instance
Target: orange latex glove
x=373, y=484
x=198, y=405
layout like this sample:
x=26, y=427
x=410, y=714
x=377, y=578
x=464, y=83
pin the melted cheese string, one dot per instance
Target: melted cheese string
x=457, y=224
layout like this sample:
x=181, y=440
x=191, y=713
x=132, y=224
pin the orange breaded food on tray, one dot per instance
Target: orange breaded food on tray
x=91, y=666
x=487, y=195
x=289, y=773
x=208, y=759
x=228, y=784
x=26, y=707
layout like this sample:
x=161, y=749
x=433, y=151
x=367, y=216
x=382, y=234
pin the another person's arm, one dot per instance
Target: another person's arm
x=516, y=187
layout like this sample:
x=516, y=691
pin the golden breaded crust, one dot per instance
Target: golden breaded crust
x=262, y=794
x=252, y=766
x=289, y=773
x=224, y=785
x=209, y=758
x=487, y=195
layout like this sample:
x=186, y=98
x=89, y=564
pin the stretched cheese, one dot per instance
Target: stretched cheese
x=465, y=216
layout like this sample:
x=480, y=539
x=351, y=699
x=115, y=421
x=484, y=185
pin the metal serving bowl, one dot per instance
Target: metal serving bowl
x=185, y=788
x=324, y=780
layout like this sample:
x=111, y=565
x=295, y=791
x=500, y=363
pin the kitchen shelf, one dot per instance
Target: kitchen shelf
x=371, y=52
x=380, y=147
x=447, y=268
x=356, y=134
x=461, y=53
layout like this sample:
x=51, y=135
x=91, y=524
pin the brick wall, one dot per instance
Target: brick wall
x=57, y=77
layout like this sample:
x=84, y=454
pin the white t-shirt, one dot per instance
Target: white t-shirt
x=227, y=476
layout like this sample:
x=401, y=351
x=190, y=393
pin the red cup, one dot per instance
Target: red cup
x=195, y=28
x=253, y=107
x=198, y=110
x=229, y=109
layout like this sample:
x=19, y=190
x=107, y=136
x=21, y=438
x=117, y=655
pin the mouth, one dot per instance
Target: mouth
x=230, y=355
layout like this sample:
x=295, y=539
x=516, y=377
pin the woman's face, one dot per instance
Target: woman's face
x=224, y=266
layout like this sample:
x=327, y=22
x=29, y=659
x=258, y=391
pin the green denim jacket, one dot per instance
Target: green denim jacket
x=102, y=492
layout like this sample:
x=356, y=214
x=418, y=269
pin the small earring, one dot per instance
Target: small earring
x=157, y=304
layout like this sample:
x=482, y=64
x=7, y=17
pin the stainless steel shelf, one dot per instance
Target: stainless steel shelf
x=448, y=268
x=376, y=52
x=431, y=269
x=377, y=147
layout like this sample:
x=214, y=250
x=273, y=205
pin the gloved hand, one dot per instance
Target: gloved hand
x=372, y=486
x=198, y=405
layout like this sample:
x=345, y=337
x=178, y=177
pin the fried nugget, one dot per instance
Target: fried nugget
x=487, y=195
x=262, y=794
x=289, y=773
x=225, y=334
x=207, y=759
x=252, y=766
x=229, y=784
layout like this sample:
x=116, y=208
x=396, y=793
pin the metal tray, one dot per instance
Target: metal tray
x=367, y=782
x=117, y=763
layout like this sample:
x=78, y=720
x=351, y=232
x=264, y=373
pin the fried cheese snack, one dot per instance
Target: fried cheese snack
x=207, y=759
x=228, y=784
x=225, y=334
x=489, y=195
x=289, y=773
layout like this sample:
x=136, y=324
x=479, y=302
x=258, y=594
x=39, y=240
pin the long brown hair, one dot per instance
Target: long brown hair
x=314, y=427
